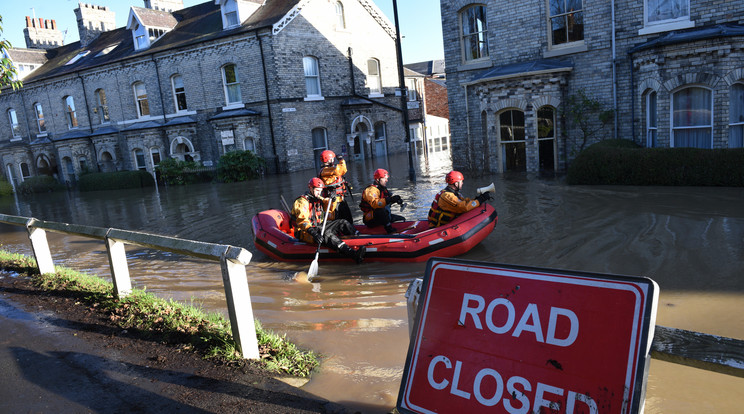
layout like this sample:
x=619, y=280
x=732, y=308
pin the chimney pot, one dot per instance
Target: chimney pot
x=54, y=25
x=28, y=21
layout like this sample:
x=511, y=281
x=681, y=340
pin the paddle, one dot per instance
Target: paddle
x=313, y=271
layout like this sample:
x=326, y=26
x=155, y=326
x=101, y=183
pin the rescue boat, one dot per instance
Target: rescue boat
x=413, y=242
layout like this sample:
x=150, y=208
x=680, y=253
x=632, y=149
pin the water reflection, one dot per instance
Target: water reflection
x=690, y=240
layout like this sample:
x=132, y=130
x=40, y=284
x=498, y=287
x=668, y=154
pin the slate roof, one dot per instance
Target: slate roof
x=691, y=35
x=27, y=55
x=235, y=112
x=522, y=68
x=154, y=18
x=428, y=68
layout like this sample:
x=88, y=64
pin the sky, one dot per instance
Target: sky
x=420, y=21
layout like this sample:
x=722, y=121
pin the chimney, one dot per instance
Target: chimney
x=42, y=34
x=93, y=20
x=164, y=5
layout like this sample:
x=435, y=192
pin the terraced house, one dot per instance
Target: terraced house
x=672, y=70
x=284, y=78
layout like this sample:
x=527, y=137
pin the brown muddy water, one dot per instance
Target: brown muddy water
x=690, y=240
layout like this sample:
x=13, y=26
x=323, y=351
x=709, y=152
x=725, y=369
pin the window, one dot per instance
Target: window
x=179, y=93
x=736, y=116
x=41, y=125
x=513, y=143
x=232, y=18
x=692, y=118
x=25, y=172
x=139, y=159
x=154, y=34
x=155, y=156
x=651, y=119
x=141, y=41
x=78, y=57
x=312, y=77
x=320, y=144
x=373, y=76
x=566, y=21
x=230, y=10
x=15, y=127
x=340, y=19
x=474, y=33
x=546, y=138
x=70, y=113
x=103, y=112
x=140, y=97
x=662, y=11
x=411, y=85
x=83, y=163
x=231, y=83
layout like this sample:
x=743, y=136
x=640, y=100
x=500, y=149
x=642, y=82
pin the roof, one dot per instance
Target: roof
x=154, y=18
x=440, y=82
x=428, y=68
x=411, y=74
x=27, y=55
x=691, y=35
x=522, y=69
x=235, y=112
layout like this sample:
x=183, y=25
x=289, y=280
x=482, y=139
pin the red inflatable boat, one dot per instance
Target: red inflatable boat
x=415, y=242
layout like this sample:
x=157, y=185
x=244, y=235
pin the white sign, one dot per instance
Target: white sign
x=289, y=109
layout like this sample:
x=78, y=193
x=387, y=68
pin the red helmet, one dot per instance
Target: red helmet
x=453, y=177
x=315, y=182
x=327, y=156
x=380, y=173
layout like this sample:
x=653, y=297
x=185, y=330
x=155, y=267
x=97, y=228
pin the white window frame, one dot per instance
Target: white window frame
x=138, y=152
x=15, y=126
x=374, y=78
x=103, y=112
x=480, y=35
x=412, y=91
x=70, y=112
x=652, y=119
x=340, y=17
x=675, y=128
x=311, y=67
x=177, y=93
x=140, y=100
x=672, y=23
x=40, y=123
x=736, y=123
x=227, y=86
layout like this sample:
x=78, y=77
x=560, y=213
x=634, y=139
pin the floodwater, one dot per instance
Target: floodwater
x=690, y=240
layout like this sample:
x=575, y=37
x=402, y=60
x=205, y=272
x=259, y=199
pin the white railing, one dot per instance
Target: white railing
x=233, y=261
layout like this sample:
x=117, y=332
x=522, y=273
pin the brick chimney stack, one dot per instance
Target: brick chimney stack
x=42, y=34
x=93, y=20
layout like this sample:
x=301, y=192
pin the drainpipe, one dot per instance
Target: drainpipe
x=268, y=102
x=90, y=127
x=160, y=88
x=614, y=73
x=469, y=159
x=632, y=97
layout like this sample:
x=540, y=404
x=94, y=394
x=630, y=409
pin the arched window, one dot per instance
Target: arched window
x=140, y=97
x=651, y=120
x=340, y=19
x=38, y=111
x=15, y=127
x=374, y=81
x=692, y=118
x=546, y=143
x=155, y=156
x=312, y=76
x=513, y=143
x=70, y=112
x=736, y=116
x=231, y=84
x=102, y=106
x=179, y=93
x=320, y=144
x=474, y=34
x=83, y=161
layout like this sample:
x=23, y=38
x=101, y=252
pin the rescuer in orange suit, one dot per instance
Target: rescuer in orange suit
x=449, y=203
x=376, y=201
x=307, y=216
x=333, y=178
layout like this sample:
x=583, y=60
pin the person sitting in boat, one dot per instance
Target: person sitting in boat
x=449, y=203
x=333, y=177
x=307, y=217
x=376, y=201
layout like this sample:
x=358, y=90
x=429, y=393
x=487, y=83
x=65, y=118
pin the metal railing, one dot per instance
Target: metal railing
x=233, y=261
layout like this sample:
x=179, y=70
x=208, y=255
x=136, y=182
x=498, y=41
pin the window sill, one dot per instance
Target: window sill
x=376, y=95
x=314, y=98
x=180, y=113
x=666, y=27
x=476, y=64
x=232, y=106
x=566, y=50
x=14, y=139
x=41, y=135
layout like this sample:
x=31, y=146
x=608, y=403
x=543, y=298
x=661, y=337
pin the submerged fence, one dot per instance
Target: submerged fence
x=233, y=261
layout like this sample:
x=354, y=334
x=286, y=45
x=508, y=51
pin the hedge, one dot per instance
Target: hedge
x=115, y=180
x=39, y=184
x=609, y=164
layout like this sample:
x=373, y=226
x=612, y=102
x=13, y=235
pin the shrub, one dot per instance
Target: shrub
x=6, y=188
x=607, y=163
x=176, y=172
x=239, y=166
x=115, y=180
x=39, y=184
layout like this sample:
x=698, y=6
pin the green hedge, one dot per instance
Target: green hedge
x=176, y=172
x=239, y=166
x=607, y=163
x=6, y=188
x=115, y=180
x=39, y=184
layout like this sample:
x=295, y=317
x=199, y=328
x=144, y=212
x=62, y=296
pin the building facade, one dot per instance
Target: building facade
x=286, y=79
x=428, y=112
x=672, y=72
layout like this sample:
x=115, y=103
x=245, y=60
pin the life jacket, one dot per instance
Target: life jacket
x=338, y=184
x=316, y=211
x=364, y=205
x=438, y=216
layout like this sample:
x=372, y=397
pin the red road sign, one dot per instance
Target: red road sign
x=502, y=338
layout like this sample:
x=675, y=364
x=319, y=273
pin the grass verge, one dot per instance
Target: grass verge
x=165, y=320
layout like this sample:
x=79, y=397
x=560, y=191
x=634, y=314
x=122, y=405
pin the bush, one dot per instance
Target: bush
x=39, y=184
x=6, y=188
x=610, y=163
x=239, y=166
x=115, y=180
x=176, y=172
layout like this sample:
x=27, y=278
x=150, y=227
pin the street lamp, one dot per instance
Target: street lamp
x=403, y=98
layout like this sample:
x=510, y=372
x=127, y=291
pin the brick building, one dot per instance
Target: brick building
x=284, y=78
x=427, y=103
x=672, y=71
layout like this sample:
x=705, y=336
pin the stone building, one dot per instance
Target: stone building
x=428, y=110
x=673, y=72
x=284, y=78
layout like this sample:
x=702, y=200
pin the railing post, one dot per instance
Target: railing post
x=413, y=293
x=235, y=280
x=119, y=269
x=40, y=246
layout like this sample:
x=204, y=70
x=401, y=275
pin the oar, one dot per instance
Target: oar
x=313, y=271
